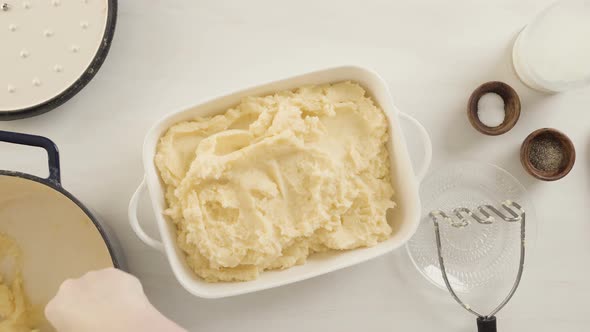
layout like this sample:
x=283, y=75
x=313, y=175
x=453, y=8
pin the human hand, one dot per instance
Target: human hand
x=105, y=300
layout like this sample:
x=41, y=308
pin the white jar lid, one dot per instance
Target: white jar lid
x=50, y=49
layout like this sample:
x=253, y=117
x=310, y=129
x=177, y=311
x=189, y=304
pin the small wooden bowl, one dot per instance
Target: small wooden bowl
x=511, y=107
x=569, y=154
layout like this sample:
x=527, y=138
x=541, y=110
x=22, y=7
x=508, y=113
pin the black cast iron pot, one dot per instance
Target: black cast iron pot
x=58, y=236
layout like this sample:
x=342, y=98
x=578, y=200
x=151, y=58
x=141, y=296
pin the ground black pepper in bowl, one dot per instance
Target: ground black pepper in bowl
x=548, y=154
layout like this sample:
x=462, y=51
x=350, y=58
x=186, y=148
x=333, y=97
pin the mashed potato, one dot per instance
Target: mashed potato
x=15, y=311
x=277, y=178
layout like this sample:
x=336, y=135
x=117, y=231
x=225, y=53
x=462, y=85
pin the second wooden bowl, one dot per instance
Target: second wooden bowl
x=566, y=149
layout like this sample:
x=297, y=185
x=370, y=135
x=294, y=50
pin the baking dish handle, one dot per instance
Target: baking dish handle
x=41, y=142
x=132, y=214
x=426, y=141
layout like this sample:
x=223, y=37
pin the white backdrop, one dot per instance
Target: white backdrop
x=168, y=54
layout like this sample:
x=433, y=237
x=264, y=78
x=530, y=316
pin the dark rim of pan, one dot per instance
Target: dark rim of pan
x=81, y=82
x=117, y=263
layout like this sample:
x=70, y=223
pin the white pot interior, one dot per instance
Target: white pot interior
x=57, y=239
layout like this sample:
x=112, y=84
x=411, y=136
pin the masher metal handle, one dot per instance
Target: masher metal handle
x=485, y=323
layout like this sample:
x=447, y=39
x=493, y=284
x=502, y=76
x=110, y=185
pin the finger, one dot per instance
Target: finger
x=66, y=285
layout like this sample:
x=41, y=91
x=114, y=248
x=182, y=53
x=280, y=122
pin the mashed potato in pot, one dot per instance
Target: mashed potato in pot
x=278, y=178
x=16, y=314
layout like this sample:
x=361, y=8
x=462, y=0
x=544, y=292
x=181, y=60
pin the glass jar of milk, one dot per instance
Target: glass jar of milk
x=552, y=54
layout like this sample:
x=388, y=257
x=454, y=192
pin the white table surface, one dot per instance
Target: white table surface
x=168, y=54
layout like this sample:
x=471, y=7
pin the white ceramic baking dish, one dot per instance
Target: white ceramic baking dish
x=404, y=219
